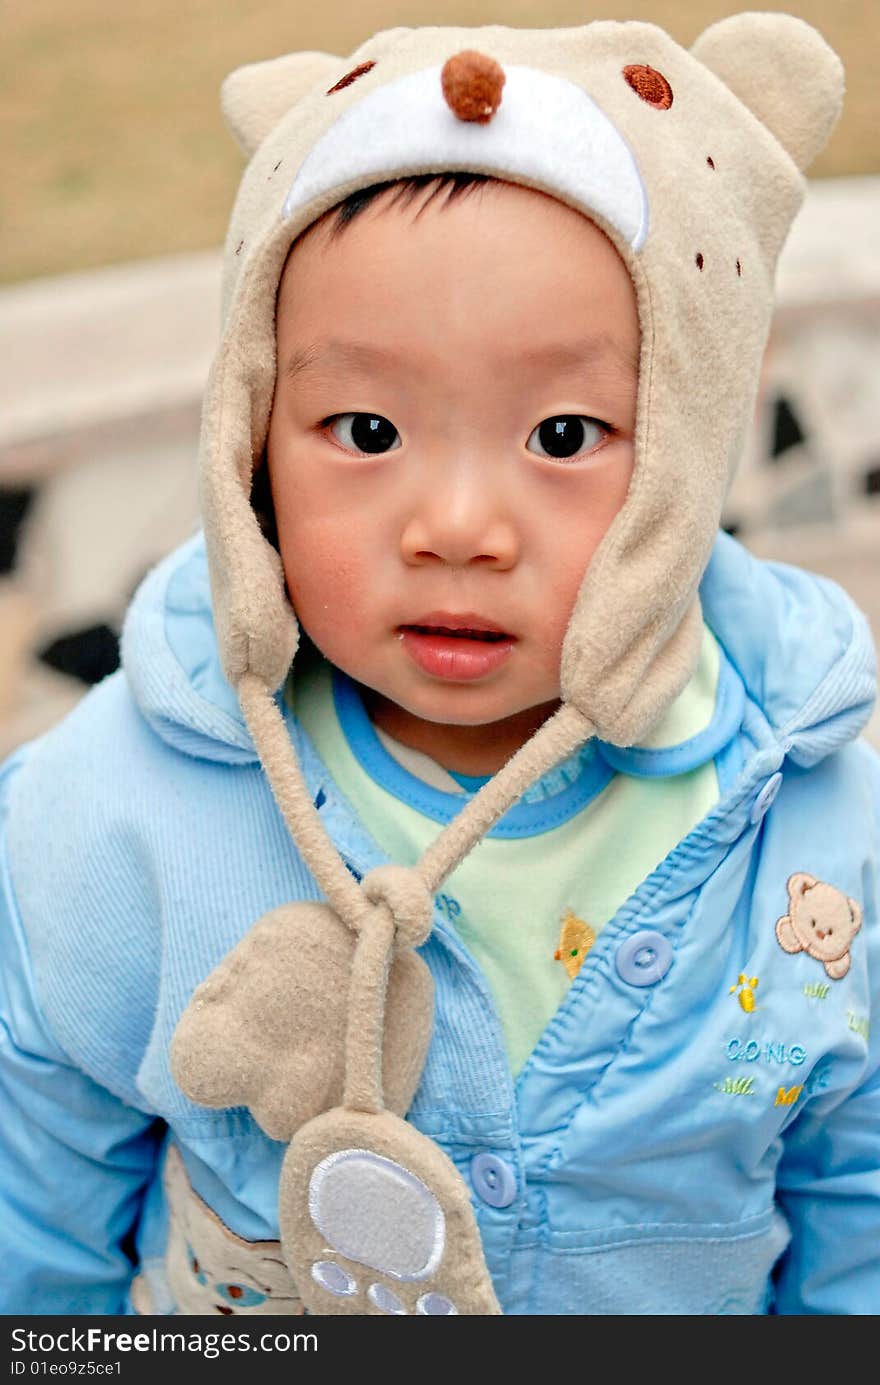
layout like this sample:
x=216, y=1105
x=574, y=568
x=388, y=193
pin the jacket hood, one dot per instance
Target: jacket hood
x=800, y=647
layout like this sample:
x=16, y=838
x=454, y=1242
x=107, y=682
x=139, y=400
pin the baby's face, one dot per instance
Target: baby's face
x=451, y=436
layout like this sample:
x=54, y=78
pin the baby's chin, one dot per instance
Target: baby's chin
x=459, y=705
x=467, y=742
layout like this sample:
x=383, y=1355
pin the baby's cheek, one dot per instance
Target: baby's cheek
x=561, y=598
x=327, y=581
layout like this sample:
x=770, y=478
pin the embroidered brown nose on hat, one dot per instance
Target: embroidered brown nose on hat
x=472, y=85
x=690, y=162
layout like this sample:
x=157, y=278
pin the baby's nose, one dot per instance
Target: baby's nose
x=458, y=521
x=472, y=85
x=493, y=546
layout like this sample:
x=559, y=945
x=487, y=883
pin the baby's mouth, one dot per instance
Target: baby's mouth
x=458, y=632
x=456, y=625
x=456, y=648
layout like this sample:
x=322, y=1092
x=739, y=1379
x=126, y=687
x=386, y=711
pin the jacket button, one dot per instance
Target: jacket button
x=493, y=1180
x=644, y=959
x=765, y=797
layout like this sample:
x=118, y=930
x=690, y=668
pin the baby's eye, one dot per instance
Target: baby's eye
x=565, y=435
x=370, y=433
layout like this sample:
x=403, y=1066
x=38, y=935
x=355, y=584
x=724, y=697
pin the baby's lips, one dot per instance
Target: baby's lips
x=457, y=633
x=456, y=624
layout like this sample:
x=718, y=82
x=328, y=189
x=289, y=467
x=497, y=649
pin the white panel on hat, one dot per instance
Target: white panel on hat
x=546, y=130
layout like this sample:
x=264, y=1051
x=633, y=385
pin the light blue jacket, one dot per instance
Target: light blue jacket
x=699, y=1137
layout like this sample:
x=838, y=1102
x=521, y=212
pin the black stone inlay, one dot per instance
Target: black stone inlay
x=14, y=505
x=787, y=431
x=88, y=655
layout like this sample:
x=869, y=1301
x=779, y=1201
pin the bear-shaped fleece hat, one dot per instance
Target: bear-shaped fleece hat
x=691, y=163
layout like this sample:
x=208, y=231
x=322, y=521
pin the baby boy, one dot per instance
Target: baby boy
x=557, y=829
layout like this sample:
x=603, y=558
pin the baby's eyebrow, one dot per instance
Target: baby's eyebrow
x=566, y=356
x=350, y=354
x=552, y=356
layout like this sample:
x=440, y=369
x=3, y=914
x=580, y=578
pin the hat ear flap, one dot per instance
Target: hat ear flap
x=784, y=71
x=255, y=97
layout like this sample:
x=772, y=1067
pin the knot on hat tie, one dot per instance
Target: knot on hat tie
x=472, y=85
x=407, y=899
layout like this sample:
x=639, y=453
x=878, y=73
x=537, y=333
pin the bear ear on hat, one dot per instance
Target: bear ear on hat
x=784, y=71
x=254, y=98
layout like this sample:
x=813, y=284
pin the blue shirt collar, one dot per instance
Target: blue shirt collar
x=566, y=789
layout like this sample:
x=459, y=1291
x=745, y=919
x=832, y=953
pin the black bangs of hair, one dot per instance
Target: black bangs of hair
x=406, y=190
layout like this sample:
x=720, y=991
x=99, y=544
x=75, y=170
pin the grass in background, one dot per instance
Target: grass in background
x=114, y=147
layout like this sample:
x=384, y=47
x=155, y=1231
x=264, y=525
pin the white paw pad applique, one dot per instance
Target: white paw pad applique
x=375, y=1219
x=821, y=921
x=350, y=1194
